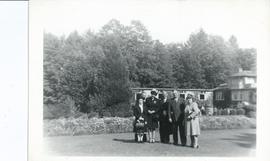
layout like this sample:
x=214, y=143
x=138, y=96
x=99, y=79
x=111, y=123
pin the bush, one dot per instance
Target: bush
x=249, y=108
x=240, y=111
x=54, y=111
x=226, y=122
x=233, y=112
x=93, y=114
x=85, y=126
x=121, y=110
x=219, y=111
x=105, y=114
x=251, y=114
x=215, y=111
x=225, y=112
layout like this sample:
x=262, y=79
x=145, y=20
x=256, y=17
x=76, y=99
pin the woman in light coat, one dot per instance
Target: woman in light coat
x=192, y=125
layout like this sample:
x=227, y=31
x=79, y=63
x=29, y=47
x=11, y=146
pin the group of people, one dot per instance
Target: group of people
x=175, y=116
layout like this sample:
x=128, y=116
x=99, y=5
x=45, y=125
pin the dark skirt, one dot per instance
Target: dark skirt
x=152, y=121
x=165, y=126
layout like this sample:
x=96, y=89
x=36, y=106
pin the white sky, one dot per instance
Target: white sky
x=166, y=20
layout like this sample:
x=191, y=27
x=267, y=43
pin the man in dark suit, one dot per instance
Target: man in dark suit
x=176, y=117
x=165, y=127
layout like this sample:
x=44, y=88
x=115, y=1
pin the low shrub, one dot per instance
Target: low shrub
x=240, y=111
x=215, y=111
x=251, y=114
x=249, y=108
x=54, y=111
x=226, y=122
x=233, y=112
x=93, y=114
x=85, y=126
x=225, y=112
x=219, y=112
x=105, y=114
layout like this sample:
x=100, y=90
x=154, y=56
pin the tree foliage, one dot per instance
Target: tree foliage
x=97, y=70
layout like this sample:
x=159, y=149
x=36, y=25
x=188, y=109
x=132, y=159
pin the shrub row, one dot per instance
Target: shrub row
x=237, y=111
x=85, y=126
x=226, y=122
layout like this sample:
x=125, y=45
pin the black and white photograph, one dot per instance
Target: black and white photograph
x=140, y=78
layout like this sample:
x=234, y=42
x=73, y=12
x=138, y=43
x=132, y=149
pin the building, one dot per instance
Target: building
x=240, y=87
x=201, y=94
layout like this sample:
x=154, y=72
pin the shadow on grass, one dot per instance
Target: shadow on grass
x=245, y=140
x=125, y=140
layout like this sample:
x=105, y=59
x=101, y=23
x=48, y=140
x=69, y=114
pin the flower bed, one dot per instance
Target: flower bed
x=85, y=126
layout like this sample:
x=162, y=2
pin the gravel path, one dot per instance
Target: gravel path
x=234, y=143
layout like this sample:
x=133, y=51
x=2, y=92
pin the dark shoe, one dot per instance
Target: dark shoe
x=183, y=144
x=175, y=143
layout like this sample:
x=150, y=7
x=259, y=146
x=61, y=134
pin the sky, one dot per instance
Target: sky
x=166, y=20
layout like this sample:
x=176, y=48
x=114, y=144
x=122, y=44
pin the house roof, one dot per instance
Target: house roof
x=138, y=88
x=221, y=86
x=244, y=73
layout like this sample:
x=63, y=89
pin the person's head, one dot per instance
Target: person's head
x=165, y=94
x=143, y=95
x=140, y=101
x=175, y=94
x=154, y=92
x=189, y=98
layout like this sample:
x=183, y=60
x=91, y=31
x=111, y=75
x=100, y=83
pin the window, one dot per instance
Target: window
x=219, y=95
x=182, y=96
x=237, y=96
x=201, y=96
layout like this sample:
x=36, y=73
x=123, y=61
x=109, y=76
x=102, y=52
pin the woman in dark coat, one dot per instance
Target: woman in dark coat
x=140, y=113
x=152, y=105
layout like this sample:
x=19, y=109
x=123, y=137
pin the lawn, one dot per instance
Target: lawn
x=234, y=143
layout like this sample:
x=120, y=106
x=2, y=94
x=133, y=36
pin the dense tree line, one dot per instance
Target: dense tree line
x=97, y=70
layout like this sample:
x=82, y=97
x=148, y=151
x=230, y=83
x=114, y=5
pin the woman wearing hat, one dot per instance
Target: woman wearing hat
x=192, y=124
x=152, y=105
x=140, y=117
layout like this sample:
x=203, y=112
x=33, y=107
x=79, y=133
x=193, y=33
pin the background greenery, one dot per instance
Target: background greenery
x=93, y=72
x=84, y=126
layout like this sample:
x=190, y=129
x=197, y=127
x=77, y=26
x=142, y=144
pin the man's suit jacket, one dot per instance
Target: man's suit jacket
x=176, y=110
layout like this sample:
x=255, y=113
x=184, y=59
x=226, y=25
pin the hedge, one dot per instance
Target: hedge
x=85, y=126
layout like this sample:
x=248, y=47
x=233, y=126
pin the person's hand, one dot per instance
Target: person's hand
x=170, y=120
x=164, y=113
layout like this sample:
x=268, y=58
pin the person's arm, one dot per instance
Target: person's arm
x=195, y=110
x=136, y=112
x=169, y=112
